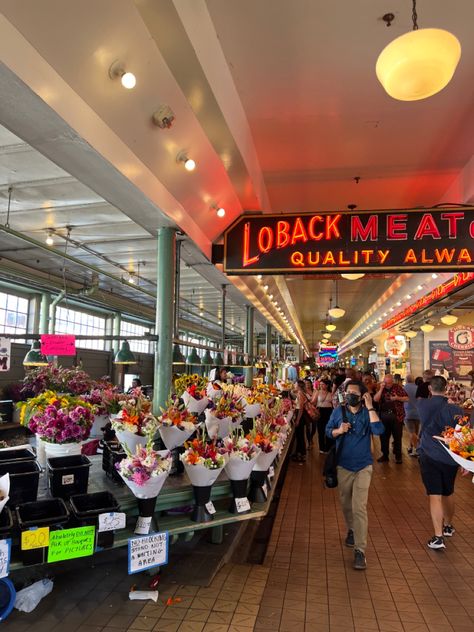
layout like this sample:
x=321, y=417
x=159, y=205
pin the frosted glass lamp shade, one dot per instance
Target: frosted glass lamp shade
x=427, y=328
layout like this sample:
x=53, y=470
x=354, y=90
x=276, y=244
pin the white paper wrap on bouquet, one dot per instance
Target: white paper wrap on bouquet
x=265, y=459
x=131, y=440
x=99, y=422
x=173, y=436
x=217, y=428
x=150, y=489
x=465, y=463
x=213, y=393
x=194, y=405
x=201, y=476
x=4, y=490
x=238, y=470
x=252, y=410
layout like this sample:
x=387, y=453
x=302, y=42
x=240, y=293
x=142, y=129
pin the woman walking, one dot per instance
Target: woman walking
x=324, y=404
x=300, y=422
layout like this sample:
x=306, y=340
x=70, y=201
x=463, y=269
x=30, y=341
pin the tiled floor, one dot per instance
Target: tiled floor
x=307, y=582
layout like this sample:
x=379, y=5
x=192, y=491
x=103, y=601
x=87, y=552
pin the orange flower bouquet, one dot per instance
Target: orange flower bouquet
x=459, y=442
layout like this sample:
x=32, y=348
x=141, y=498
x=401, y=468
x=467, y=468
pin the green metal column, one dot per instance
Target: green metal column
x=268, y=351
x=249, y=345
x=116, y=332
x=166, y=261
x=44, y=313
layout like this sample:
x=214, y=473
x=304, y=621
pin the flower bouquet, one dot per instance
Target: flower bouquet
x=224, y=414
x=134, y=423
x=176, y=423
x=214, y=390
x=60, y=422
x=203, y=464
x=267, y=440
x=251, y=400
x=241, y=460
x=144, y=472
x=195, y=399
x=72, y=380
x=105, y=399
x=459, y=442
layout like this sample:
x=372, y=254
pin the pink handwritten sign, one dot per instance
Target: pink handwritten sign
x=58, y=345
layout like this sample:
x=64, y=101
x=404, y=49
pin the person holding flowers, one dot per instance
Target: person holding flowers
x=438, y=470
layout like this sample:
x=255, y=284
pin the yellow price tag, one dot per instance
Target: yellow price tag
x=34, y=538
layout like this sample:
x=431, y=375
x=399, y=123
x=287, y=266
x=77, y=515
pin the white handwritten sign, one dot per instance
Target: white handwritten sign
x=5, y=354
x=242, y=504
x=147, y=551
x=265, y=490
x=5, y=550
x=112, y=521
x=210, y=507
x=143, y=525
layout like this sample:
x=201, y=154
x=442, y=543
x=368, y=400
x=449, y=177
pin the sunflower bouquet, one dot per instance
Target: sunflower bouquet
x=193, y=384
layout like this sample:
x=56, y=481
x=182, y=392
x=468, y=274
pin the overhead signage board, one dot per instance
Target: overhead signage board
x=58, y=344
x=356, y=241
x=440, y=291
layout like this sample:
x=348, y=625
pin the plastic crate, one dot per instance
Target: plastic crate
x=24, y=479
x=51, y=513
x=68, y=475
x=20, y=454
x=85, y=512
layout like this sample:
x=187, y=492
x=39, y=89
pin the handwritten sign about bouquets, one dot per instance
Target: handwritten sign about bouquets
x=147, y=551
x=58, y=345
x=71, y=543
x=5, y=551
x=34, y=538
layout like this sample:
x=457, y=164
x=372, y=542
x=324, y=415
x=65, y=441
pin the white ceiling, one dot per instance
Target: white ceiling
x=278, y=103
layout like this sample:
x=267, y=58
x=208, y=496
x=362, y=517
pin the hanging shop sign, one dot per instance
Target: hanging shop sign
x=441, y=291
x=328, y=354
x=58, y=345
x=461, y=337
x=458, y=363
x=5, y=354
x=395, y=346
x=433, y=239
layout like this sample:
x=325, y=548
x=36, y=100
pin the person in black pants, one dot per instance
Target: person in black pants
x=324, y=404
x=300, y=423
x=391, y=398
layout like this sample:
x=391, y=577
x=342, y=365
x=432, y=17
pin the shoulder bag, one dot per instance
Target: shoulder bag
x=311, y=410
x=332, y=457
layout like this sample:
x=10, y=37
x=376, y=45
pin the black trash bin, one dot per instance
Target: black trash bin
x=113, y=453
x=85, y=512
x=68, y=475
x=20, y=454
x=6, y=523
x=24, y=479
x=51, y=513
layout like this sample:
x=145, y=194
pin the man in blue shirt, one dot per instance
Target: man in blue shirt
x=438, y=469
x=353, y=431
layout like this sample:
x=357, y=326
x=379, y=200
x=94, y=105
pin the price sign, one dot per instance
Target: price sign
x=210, y=507
x=242, y=504
x=71, y=543
x=5, y=551
x=143, y=525
x=147, y=551
x=271, y=472
x=112, y=521
x=265, y=490
x=34, y=538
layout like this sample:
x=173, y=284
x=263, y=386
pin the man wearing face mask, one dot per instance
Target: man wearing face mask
x=352, y=425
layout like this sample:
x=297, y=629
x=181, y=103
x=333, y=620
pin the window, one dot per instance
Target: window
x=69, y=321
x=133, y=329
x=13, y=314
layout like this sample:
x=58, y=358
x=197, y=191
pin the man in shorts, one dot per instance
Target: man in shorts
x=438, y=469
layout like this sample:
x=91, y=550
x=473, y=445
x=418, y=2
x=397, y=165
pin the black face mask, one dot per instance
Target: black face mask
x=353, y=399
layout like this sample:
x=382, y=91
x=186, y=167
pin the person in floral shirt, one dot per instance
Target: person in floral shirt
x=391, y=398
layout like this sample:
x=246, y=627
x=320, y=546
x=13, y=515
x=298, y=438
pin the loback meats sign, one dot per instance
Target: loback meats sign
x=433, y=239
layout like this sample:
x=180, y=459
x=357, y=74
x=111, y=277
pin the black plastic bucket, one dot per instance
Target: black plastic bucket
x=86, y=509
x=6, y=523
x=24, y=479
x=51, y=513
x=21, y=454
x=68, y=475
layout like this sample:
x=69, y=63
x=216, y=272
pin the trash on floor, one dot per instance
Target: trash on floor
x=28, y=598
x=143, y=594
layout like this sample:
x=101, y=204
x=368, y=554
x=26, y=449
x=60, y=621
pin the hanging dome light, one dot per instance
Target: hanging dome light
x=449, y=319
x=34, y=357
x=418, y=64
x=427, y=327
x=335, y=312
x=352, y=277
x=411, y=334
x=330, y=327
x=124, y=355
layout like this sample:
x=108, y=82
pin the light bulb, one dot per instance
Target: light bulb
x=131, y=279
x=336, y=312
x=265, y=287
x=449, y=319
x=420, y=287
x=352, y=277
x=201, y=313
x=434, y=275
x=189, y=164
x=220, y=212
x=259, y=277
x=128, y=80
x=50, y=240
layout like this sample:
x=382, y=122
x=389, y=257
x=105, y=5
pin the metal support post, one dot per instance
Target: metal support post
x=44, y=313
x=163, y=370
x=249, y=345
x=268, y=352
x=116, y=329
x=224, y=292
x=177, y=281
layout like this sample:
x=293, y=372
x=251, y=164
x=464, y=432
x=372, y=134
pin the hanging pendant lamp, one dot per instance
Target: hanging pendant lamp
x=193, y=358
x=124, y=355
x=449, y=319
x=207, y=358
x=34, y=357
x=336, y=312
x=418, y=64
x=178, y=357
x=427, y=327
x=353, y=277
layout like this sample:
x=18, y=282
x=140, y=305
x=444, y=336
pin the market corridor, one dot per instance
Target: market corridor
x=307, y=581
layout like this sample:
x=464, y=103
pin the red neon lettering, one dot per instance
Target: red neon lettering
x=367, y=254
x=464, y=256
x=361, y=232
x=265, y=239
x=332, y=228
x=283, y=234
x=328, y=258
x=312, y=234
x=395, y=224
x=444, y=255
x=410, y=257
x=471, y=230
x=248, y=260
x=424, y=258
x=452, y=219
x=427, y=228
x=299, y=232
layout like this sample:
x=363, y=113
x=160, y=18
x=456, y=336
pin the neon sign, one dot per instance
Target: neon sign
x=434, y=239
x=436, y=294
